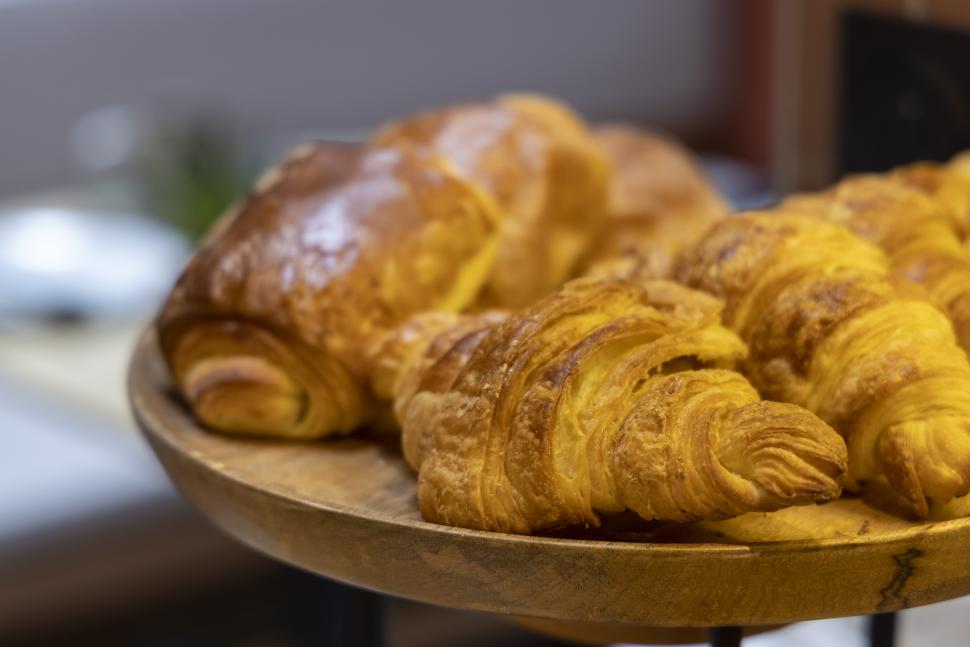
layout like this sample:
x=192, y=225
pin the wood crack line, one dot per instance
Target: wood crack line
x=891, y=596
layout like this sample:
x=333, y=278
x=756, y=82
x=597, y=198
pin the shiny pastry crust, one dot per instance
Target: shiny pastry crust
x=535, y=158
x=659, y=200
x=589, y=403
x=913, y=229
x=827, y=330
x=268, y=328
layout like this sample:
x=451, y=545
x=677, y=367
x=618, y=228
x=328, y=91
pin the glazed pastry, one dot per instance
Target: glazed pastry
x=537, y=161
x=827, y=330
x=268, y=329
x=914, y=230
x=597, y=399
x=659, y=200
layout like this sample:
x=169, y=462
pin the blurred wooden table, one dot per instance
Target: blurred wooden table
x=82, y=364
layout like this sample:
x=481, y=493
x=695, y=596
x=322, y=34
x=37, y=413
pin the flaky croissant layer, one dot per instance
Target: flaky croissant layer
x=947, y=184
x=829, y=331
x=916, y=232
x=591, y=402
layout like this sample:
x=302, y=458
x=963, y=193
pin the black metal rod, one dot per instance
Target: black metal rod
x=882, y=629
x=725, y=636
x=331, y=614
x=362, y=621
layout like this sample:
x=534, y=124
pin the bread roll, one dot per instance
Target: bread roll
x=269, y=326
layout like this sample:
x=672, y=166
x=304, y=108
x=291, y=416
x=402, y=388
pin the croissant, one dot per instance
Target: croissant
x=945, y=183
x=268, y=328
x=960, y=164
x=596, y=400
x=914, y=230
x=537, y=160
x=659, y=199
x=828, y=331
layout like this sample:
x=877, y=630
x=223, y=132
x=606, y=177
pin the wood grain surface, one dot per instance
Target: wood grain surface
x=346, y=509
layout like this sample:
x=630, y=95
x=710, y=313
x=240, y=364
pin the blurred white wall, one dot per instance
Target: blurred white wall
x=286, y=65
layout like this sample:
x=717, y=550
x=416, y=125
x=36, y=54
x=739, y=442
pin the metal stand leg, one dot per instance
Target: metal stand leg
x=357, y=618
x=882, y=629
x=725, y=636
x=325, y=613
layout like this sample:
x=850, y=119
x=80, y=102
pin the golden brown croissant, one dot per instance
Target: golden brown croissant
x=535, y=158
x=828, y=331
x=914, y=230
x=960, y=164
x=659, y=199
x=589, y=403
x=268, y=329
x=944, y=183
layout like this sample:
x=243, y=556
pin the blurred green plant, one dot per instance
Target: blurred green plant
x=191, y=172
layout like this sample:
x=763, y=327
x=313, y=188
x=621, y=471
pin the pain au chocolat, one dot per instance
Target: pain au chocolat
x=271, y=327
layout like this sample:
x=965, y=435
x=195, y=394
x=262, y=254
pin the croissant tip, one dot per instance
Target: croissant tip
x=803, y=486
x=792, y=455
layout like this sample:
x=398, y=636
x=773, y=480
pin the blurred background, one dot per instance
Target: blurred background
x=126, y=126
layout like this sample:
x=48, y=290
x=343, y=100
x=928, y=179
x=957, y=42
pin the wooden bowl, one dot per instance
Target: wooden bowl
x=346, y=509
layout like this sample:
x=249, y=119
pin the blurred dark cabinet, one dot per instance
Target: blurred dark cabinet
x=905, y=92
